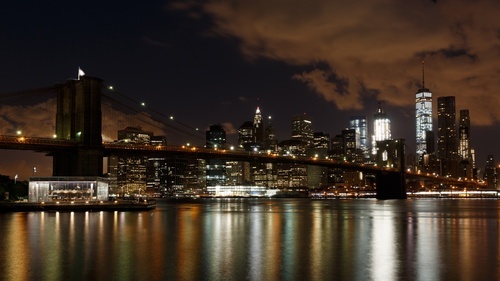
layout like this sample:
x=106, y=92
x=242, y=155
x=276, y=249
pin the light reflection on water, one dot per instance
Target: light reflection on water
x=258, y=239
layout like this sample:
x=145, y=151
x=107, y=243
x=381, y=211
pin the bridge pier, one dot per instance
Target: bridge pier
x=391, y=183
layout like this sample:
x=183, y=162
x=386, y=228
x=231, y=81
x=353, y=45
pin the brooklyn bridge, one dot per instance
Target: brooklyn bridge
x=77, y=146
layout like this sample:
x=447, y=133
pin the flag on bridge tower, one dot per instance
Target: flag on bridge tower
x=80, y=73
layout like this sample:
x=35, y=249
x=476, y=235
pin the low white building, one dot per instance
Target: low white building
x=240, y=191
x=48, y=189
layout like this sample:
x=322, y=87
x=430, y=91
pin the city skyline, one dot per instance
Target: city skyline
x=200, y=62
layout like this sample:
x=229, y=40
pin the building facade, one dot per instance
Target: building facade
x=358, y=123
x=381, y=128
x=447, y=148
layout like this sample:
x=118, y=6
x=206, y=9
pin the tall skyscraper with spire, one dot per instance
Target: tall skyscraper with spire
x=423, y=106
x=381, y=128
x=258, y=127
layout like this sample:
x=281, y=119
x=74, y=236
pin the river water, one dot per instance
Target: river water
x=259, y=239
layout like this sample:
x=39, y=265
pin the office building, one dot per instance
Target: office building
x=447, y=149
x=358, y=123
x=381, y=128
x=423, y=108
x=302, y=129
x=215, y=167
x=464, y=149
x=216, y=137
x=270, y=141
x=258, y=128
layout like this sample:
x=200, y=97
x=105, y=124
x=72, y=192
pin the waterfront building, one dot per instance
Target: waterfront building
x=358, y=123
x=53, y=189
x=291, y=175
x=195, y=176
x=131, y=170
x=491, y=173
x=240, y=191
x=381, y=128
x=237, y=173
x=264, y=174
x=447, y=149
x=156, y=169
x=423, y=117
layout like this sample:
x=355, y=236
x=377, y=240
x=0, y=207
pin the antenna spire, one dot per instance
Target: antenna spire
x=423, y=74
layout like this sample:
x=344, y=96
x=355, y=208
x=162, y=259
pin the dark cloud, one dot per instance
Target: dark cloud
x=374, y=44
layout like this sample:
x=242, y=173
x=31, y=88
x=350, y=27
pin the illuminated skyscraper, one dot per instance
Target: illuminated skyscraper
x=358, y=123
x=302, y=129
x=258, y=127
x=381, y=128
x=464, y=149
x=423, y=106
x=447, y=149
x=270, y=141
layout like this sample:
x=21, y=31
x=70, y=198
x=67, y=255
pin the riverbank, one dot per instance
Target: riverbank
x=75, y=206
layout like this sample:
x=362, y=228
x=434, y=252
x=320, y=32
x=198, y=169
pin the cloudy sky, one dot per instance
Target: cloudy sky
x=215, y=61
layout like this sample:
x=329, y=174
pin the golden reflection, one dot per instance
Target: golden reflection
x=16, y=255
x=383, y=254
x=188, y=245
x=256, y=247
x=427, y=256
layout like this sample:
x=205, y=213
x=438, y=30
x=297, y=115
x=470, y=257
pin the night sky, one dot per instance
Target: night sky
x=215, y=61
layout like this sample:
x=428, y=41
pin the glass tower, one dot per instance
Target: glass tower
x=358, y=123
x=423, y=106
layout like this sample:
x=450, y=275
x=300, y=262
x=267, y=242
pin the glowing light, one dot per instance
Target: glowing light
x=19, y=132
x=143, y=103
x=111, y=88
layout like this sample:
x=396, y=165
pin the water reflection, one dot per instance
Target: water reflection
x=243, y=239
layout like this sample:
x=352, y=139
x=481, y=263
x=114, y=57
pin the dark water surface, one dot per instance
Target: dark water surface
x=259, y=239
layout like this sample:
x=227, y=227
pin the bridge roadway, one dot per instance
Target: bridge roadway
x=48, y=145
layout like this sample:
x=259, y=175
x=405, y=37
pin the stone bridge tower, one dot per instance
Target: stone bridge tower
x=79, y=119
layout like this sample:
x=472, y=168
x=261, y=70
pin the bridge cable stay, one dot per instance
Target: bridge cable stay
x=27, y=92
x=157, y=112
x=140, y=110
x=146, y=117
x=201, y=135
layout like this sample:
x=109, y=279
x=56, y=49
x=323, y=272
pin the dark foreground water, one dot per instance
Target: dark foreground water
x=259, y=239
